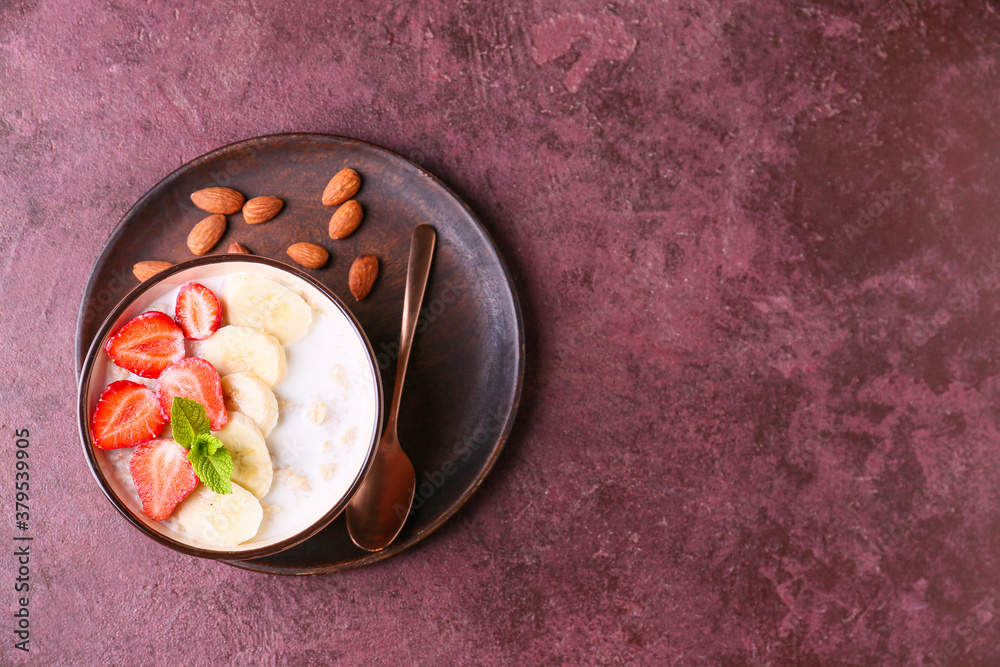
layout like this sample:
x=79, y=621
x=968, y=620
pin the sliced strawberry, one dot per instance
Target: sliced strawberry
x=147, y=344
x=127, y=414
x=198, y=380
x=163, y=477
x=198, y=311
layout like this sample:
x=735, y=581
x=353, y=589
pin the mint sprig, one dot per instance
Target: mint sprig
x=210, y=459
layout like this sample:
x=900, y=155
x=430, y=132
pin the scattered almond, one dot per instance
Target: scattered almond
x=362, y=276
x=341, y=187
x=223, y=201
x=345, y=219
x=146, y=270
x=309, y=255
x=206, y=234
x=238, y=249
x=261, y=209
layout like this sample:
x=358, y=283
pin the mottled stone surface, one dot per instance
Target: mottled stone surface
x=756, y=247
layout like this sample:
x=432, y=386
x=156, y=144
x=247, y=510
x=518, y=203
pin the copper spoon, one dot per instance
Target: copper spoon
x=379, y=509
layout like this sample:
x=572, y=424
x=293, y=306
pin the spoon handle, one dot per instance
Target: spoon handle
x=421, y=253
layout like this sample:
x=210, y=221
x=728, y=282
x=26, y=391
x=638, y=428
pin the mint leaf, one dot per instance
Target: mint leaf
x=212, y=463
x=207, y=443
x=187, y=420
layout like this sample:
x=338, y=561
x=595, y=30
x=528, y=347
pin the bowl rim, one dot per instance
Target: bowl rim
x=97, y=346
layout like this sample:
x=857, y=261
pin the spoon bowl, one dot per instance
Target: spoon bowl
x=379, y=508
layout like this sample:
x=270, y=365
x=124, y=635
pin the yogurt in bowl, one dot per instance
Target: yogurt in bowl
x=303, y=408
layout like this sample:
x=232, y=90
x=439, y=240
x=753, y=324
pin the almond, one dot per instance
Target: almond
x=341, y=187
x=218, y=200
x=206, y=234
x=261, y=209
x=146, y=270
x=238, y=249
x=309, y=255
x=345, y=219
x=362, y=276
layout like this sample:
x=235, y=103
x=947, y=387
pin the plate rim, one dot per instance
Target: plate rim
x=504, y=435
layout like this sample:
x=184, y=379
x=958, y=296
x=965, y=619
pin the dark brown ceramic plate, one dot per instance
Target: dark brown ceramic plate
x=466, y=369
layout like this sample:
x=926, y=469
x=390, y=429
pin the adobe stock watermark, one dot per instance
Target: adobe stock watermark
x=433, y=481
x=436, y=307
x=882, y=201
x=113, y=289
x=960, y=299
x=224, y=177
x=969, y=630
x=121, y=281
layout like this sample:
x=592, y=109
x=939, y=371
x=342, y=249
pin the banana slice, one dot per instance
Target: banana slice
x=251, y=459
x=220, y=520
x=232, y=349
x=262, y=304
x=245, y=392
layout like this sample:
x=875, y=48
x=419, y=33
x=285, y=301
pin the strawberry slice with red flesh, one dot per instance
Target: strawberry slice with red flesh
x=198, y=311
x=127, y=414
x=198, y=380
x=163, y=477
x=147, y=344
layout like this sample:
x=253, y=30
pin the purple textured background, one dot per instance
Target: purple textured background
x=756, y=247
